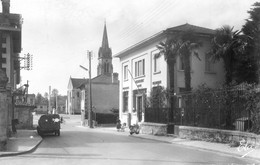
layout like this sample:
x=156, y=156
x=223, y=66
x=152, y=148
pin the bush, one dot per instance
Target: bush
x=106, y=118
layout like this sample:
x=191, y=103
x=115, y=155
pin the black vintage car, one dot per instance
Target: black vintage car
x=49, y=124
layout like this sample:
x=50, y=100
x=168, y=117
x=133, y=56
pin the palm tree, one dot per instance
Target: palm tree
x=169, y=50
x=188, y=46
x=182, y=44
x=226, y=45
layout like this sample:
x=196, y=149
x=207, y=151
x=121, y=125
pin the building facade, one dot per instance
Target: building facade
x=73, y=95
x=10, y=41
x=140, y=71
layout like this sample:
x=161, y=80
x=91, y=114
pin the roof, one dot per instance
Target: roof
x=100, y=79
x=196, y=29
x=76, y=82
x=180, y=28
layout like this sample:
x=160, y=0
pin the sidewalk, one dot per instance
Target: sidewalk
x=243, y=152
x=24, y=141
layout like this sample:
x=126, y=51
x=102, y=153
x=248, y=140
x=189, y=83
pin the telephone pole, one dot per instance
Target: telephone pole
x=90, y=123
x=90, y=92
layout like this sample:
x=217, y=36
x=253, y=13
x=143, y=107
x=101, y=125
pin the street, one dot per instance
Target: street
x=81, y=145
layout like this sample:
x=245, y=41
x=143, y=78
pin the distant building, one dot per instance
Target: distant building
x=105, y=86
x=73, y=95
x=30, y=99
x=42, y=108
x=141, y=71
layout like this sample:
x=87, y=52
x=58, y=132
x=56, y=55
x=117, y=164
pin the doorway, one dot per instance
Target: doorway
x=139, y=107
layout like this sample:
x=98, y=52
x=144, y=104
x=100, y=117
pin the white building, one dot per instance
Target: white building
x=140, y=71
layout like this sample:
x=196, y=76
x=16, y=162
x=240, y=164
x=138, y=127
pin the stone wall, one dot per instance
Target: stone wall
x=24, y=115
x=153, y=128
x=215, y=135
x=3, y=120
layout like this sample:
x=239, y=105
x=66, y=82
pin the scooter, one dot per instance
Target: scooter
x=134, y=129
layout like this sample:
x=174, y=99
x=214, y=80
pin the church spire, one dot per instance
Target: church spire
x=105, y=39
x=105, y=56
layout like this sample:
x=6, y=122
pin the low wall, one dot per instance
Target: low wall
x=153, y=128
x=24, y=115
x=215, y=135
x=3, y=120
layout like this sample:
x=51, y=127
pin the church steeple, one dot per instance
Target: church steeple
x=105, y=39
x=105, y=56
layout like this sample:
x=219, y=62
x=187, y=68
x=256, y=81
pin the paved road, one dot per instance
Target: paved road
x=78, y=145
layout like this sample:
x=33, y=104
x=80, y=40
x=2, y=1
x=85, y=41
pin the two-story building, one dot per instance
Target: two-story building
x=140, y=71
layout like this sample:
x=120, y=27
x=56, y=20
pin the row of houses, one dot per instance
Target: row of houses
x=140, y=72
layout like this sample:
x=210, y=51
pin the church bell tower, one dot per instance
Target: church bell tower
x=105, y=66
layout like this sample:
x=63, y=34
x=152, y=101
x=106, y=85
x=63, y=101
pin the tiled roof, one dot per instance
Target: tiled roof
x=76, y=82
x=196, y=29
x=180, y=28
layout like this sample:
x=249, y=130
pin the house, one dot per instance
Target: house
x=104, y=87
x=140, y=71
x=73, y=95
x=42, y=108
x=10, y=41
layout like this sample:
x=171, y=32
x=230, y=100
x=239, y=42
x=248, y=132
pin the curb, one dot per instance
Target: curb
x=200, y=148
x=22, y=152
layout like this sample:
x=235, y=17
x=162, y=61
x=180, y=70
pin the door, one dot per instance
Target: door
x=139, y=106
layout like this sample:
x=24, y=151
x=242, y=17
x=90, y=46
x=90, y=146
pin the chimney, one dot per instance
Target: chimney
x=6, y=6
x=114, y=77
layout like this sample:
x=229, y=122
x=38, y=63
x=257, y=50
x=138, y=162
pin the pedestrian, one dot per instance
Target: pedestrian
x=118, y=124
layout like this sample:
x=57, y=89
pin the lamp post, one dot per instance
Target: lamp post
x=90, y=124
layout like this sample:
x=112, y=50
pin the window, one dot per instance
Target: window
x=181, y=66
x=3, y=60
x=208, y=63
x=139, y=68
x=4, y=69
x=156, y=64
x=3, y=40
x=106, y=67
x=3, y=50
x=125, y=101
x=126, y=72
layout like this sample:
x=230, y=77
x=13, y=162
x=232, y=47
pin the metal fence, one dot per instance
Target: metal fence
x=157, y=115
x=205, y=111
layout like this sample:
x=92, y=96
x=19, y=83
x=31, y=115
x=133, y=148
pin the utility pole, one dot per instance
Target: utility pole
x=90, y=123
x=90, y=91
x=49, y=108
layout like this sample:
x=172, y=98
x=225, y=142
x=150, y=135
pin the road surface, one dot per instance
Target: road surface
x=79, y=145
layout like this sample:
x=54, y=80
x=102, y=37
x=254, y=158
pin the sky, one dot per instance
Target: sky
x=58, y=33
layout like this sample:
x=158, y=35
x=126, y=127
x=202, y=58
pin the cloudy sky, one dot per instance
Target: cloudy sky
x=60, y=32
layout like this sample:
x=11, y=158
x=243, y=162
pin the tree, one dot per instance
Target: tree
x=54, y=94
x=39, y=99
x=182, y=44
x=228, y=45
x=189, y=44
x=46, y=95
x=252, y=29
x=169, y=49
